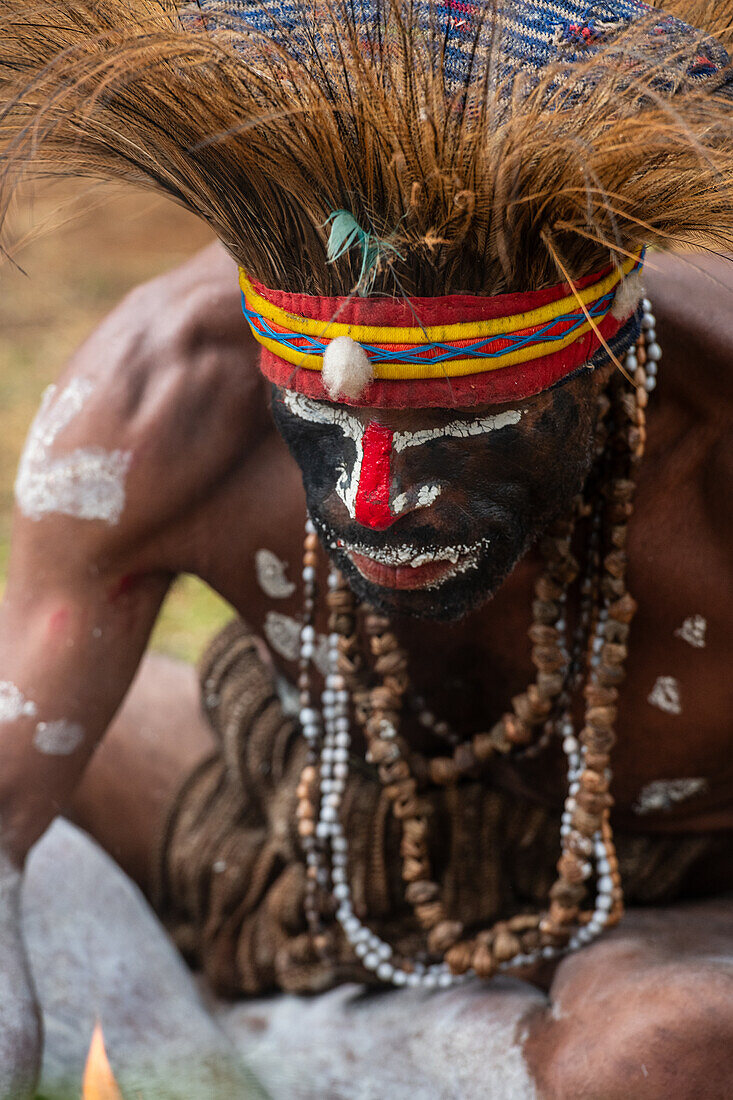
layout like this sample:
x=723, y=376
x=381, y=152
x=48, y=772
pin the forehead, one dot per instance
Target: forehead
x=408, y=428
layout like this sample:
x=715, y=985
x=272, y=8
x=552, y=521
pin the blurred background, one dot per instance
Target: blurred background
x=76, y=251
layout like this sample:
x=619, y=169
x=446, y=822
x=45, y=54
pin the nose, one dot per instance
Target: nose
x=374, y=505
x=375, y=478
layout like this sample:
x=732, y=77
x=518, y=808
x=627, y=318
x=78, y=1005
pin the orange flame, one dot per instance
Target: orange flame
x=99, y=1082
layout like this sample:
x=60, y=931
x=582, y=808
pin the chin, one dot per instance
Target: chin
x=443, y=591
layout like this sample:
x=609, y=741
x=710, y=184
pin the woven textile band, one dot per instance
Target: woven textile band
x=469, y=350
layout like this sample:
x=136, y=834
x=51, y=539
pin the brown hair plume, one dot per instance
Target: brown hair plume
x=478, y=191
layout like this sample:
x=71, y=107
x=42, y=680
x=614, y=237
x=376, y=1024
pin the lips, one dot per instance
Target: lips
x=406, y=577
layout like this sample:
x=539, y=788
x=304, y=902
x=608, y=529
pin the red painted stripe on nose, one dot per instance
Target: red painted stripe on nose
x=372, y=497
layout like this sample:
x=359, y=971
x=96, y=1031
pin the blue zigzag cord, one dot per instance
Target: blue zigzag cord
x=382, y=355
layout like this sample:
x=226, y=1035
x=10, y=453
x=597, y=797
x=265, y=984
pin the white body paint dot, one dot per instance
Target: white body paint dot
x=87, y=483
x=693, y=631
x=59, y=738
x=271, y=575
x=662, y=795
x=666, y=695
x=13, y=704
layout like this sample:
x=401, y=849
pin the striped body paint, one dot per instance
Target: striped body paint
x=370, y=489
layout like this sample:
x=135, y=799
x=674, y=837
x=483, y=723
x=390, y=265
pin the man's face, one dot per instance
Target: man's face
x=427, y=511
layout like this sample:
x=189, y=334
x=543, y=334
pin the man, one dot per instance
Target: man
x=155, y=454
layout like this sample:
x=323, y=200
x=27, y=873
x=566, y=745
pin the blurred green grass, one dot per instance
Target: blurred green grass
x=88, y=249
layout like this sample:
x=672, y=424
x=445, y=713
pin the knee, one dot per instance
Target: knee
x=664, y=1030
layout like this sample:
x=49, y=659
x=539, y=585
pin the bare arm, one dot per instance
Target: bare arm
x=151, y=416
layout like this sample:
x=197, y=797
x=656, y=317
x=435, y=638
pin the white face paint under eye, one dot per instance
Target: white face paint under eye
x=666, y=695
x=87, y=483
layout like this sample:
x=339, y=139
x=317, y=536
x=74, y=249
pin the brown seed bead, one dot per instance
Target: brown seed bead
x=376, y=624
x=483, y=961
x=390, y=663
x=391, y=773
x=619, y=536
x=585, y=823
x=542, y=635
x=522, y=922
x=548, y=658
x=601, y=717
x=404, y=806
x=458, y=958
x=444, y=936
x=545, y=611
x=550, y=684
x=613, y=587
x=429, y=915
x=597, y=740
x=309, y=774
x=593, y=782
x=593, y=803
x=464, y=758
x=382, y=752
x=567, y=894
x=420, y=893
x=306, y=827
x=383, y=699
x=384, y=643
x=516, y=731
x=616, y=632
x=500, y=737
x=597, y=761
x=562, y=914
x=506, y=946
x=613, y=654
x=311, y=542
x=569, y=868
x=598, y=696
x=414, y=870
x=530, y=940
x=442, y=771
x=547, y=589
x=623, y=610
x=305, y=809
x=615, y=563
x=540, y=705
x=483, y=746
x=397, y=682
x=610, y=675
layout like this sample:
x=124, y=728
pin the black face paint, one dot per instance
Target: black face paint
x=498, y=491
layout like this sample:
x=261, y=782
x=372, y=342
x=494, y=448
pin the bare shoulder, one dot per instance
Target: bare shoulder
x=158, y=406
x=692, y=298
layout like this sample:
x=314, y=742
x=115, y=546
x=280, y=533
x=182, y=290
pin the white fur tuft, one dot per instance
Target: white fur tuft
x=346, y=369
x=628, y=295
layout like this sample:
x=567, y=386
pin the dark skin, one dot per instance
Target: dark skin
x=211, y=482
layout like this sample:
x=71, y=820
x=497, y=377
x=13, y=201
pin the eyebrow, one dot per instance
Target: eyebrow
x=320, y=413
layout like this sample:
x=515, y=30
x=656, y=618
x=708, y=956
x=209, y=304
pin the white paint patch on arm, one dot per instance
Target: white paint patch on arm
x=663, y=795
x=60, y=738
x=87, y=483
x=13, y=704
x=271, y=575
x=666, y=695
x=693, y=631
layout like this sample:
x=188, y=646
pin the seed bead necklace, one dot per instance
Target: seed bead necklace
x=372, y=688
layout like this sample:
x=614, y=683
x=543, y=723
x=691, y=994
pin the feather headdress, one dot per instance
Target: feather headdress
x=481, y=148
